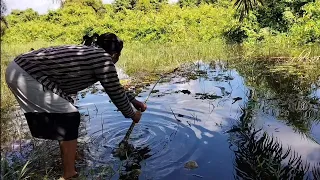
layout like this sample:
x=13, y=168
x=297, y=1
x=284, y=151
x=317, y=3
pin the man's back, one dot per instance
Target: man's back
x=65, y=70
x=69, y=68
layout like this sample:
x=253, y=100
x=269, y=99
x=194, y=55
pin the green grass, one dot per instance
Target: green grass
x=157, y=58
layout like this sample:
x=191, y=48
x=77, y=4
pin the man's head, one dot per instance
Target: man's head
x=111, y=44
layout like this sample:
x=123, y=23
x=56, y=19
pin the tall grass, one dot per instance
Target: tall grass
x=275, y=46
x=157, y=58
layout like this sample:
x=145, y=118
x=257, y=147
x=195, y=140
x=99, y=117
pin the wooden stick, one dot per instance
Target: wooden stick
x=133, y=123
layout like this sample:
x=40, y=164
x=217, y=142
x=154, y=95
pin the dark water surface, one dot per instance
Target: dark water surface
x=213, y=124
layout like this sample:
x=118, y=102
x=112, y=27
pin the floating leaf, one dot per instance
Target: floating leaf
x=191, y=165
x=186, y=92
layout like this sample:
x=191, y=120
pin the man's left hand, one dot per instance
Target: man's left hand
x=139, y=105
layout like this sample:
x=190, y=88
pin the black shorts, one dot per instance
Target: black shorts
x=54, y=126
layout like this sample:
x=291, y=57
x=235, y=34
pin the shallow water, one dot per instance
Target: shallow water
x=178, y=127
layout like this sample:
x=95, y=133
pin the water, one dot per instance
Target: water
x=195, y=125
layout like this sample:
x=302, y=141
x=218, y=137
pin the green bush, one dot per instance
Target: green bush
x=297, y=22
x=307, y=28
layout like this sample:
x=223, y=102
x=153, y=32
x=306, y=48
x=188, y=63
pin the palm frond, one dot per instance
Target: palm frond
x=245, y=6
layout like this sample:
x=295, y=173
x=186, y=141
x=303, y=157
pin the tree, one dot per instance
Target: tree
x=187, y=3
x=2, y=18
x=3, y=10
x=120, y=5
x=245, y=6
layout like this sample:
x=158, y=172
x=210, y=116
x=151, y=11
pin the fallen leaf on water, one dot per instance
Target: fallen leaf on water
x=154, y=91
x=236, y=99
x=185, y=91
x=191, y=165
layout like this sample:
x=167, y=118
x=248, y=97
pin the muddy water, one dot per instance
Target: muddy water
x=205, y=114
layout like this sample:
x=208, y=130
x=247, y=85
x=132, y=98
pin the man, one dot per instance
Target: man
x=43, y=81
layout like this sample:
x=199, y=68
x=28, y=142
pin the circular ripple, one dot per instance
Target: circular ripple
x=170, y=142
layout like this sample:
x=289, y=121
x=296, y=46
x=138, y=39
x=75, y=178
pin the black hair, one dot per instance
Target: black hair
x=89, y=41
x=110, y=43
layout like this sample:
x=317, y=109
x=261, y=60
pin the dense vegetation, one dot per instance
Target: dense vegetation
x=291, y=22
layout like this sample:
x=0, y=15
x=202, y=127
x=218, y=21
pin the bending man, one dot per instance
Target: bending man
x=43, y=81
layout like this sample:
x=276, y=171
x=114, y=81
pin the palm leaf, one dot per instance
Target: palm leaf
x=245, y=6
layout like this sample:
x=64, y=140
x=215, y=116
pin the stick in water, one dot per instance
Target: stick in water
x=133, y=123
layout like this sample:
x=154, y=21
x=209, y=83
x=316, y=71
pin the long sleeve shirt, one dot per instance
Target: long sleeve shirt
x=66, y=70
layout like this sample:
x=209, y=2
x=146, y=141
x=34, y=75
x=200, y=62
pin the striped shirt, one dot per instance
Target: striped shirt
x=65, y=70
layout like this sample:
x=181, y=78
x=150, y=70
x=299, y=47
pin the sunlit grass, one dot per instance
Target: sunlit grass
x=157, y=58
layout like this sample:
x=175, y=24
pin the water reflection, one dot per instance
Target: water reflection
x=284, y=95
x=261, y=156
x=179, y=126
x=132, y=157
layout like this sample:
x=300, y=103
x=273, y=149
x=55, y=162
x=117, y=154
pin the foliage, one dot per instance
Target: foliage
x=244, y=6
x=236, y=34
x=142, y=5
x=16, y=171
x=295, y=22
x=306, y=30
x=167, y=24
x=279, y=15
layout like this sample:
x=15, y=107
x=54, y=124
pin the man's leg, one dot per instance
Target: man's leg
x=68, y=153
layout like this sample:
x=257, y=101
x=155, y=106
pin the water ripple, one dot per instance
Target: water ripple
x=155, y=132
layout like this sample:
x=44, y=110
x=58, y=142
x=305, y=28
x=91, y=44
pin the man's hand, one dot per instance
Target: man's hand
x=136, y=118
x=139, y=105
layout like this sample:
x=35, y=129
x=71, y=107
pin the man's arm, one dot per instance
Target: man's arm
x=106, y=73
x=130, y=96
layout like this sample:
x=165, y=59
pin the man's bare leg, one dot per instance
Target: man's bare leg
x=68, y=153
